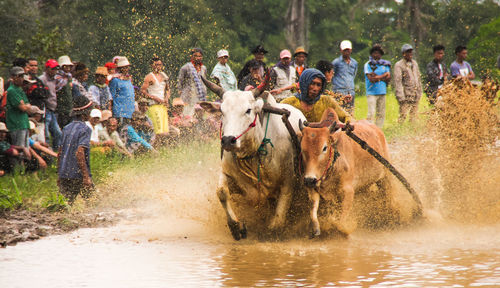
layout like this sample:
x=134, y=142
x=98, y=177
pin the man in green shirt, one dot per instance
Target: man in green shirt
x=17, y=109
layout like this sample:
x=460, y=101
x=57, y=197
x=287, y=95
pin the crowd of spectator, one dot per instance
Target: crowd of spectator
x=59, y=115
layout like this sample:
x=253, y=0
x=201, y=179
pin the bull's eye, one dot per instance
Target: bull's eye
x=248, y=111
x=324, y=149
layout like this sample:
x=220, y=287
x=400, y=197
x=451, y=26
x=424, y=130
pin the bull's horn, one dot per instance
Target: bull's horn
x=301, y=125
x=333, y=127
x=259, y=89
x=214, y=87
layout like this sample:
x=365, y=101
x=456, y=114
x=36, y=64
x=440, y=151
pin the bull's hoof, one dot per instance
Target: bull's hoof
x=315, y=231
x=243, y=231
x=237, y=232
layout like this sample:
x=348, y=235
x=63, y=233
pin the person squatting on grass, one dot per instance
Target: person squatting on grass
x=73, y=165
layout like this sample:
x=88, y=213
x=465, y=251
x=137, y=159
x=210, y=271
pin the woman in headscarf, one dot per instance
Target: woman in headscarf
x=310, y=99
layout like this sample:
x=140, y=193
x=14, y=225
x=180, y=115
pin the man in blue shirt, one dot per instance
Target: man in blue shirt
x=460, y=67
x=73, y=165
x=345, y=69
x=377, y=75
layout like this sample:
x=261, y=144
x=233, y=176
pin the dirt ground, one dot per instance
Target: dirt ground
x=22, y=225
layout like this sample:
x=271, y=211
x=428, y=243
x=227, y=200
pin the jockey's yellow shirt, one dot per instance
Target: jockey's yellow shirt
x=315, y=114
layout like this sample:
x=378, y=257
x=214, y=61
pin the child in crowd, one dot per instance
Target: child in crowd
x=74, y=154
x=137, y=140
x=9, y=152
x=110, y=133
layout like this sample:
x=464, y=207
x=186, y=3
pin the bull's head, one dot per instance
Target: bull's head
x=316, y=145
x=240, y=111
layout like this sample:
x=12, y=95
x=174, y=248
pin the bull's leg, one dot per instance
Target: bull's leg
x=279, y=217
x=314, y=197
x=344, y=226
x=238, y=230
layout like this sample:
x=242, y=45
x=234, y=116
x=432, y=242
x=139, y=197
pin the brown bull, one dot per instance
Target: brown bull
x=336, y=167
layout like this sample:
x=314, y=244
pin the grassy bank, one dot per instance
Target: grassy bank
x=39, y=191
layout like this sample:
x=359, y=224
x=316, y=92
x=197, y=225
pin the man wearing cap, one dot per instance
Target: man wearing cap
x=258, y=53
x=282, y=76
x=156, y=89
x=345, y=69
x=407, y=84
x=51, y=125
x=17, y=108
x=101, y=95
x=73, y=163
x=64, y=91
x=299, y=62
x=377, y=75
x=122, y=93
x=190, y=84
x=222, y=73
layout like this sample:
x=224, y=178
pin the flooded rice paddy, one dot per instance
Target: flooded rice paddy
x=173, y=234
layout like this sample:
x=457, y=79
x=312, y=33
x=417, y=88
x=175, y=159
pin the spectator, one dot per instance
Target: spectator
x=258, y=53
x=64, y=93
x=111, y=71
x=190, y=84
x=94, y=124
x=36, y=91
x=122, y=93
x=436, y=74
x=179, y=120
x=101, y=96
x=377, y=75
x=326, y=68
x=254, y=78
x=17, y=109
x=407, y=84
x=80, y=77
x=345, y=69
x=73, y=165
x=110, y=133
x=37, y=161
x=136, y=140
x=460, y=67
x=147, y=128
x=51, y=125
x=223, y=74
x=35, y=139
x=157, y=90
x=282, y=76
x=10, y=154
x=299, y=62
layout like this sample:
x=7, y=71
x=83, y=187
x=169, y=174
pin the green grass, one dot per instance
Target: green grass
x=392, y=129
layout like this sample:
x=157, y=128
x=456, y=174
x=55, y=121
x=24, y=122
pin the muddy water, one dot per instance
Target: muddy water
x=175, y=236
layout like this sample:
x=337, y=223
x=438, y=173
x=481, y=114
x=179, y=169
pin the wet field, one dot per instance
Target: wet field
x=173, y=234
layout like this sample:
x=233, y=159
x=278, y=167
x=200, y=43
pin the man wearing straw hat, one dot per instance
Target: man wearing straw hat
x=73, y=164
x=101, y=96
x=122, y=93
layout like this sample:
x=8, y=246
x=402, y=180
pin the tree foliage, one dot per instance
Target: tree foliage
x=94, y=31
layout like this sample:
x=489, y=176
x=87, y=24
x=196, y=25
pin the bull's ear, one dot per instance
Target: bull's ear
x=259, y=103
x=334, y=127
x=210, y=107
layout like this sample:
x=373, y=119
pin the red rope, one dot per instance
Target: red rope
x=243, y=133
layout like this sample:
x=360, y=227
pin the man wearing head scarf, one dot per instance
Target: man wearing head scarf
x=310, y=99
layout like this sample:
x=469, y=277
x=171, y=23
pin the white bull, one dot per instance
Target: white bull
x=242, y=132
